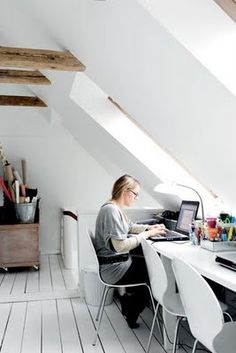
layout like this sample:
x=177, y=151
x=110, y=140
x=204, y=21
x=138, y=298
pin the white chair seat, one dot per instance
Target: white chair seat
x=225, y=341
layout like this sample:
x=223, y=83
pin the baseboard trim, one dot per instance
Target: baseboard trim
x=50, y=252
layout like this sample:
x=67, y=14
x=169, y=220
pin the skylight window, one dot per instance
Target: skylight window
x=118, y=124
x=204, y=29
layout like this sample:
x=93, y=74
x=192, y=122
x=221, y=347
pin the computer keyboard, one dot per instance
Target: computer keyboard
x=170, y=235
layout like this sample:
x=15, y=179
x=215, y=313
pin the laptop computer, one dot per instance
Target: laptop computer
x=227, y=259
x=187, y=213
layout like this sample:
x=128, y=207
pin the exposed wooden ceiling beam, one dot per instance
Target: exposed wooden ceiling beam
x=23, y=76
x=229, y=6
x=27, y=101
x=39, y=59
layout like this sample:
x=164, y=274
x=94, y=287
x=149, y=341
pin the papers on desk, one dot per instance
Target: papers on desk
x=227, y=260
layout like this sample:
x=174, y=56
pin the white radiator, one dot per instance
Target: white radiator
x=69, y=242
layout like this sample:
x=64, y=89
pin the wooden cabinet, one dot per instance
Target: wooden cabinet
x=19, y=245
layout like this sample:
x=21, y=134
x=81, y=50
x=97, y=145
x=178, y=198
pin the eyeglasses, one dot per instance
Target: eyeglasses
x=136, y=194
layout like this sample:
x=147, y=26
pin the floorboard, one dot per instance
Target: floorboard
x=13, y=335
x=85, y=326
x=5, y=310
x=67, y=275
x=58, y=282
x=7, y=283
x=32, y=331
x=19, y=283
x=127, y=337
x=41, y=312
x=45, y=280
x=68, y=328
x=51, y=341
x=32, y=284
x=108, y=335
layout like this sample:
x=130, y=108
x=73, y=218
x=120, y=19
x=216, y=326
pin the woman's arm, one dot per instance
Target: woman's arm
x=124, y=245
x=128, y=244
x=138, y=228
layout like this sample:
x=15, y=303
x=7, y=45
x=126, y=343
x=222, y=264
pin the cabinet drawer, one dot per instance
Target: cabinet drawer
x=19, y=244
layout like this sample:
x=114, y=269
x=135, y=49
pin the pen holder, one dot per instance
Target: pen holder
x=25, y=212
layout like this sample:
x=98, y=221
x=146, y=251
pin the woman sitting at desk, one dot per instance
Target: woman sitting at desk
x=112, y=241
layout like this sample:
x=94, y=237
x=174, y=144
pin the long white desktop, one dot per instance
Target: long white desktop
x=203, y=260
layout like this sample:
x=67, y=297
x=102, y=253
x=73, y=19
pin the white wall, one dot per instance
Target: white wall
x=63, y=171
x=65, y=174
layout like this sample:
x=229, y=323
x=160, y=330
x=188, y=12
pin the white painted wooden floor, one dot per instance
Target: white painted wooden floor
x=50, y=282
x=41, y=312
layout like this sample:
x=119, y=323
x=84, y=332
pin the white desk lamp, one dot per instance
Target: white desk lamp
x=167, y=187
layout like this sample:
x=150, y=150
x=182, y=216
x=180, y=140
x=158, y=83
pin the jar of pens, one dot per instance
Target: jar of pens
x=221, y=228
x=220, y=234
x=20, y=203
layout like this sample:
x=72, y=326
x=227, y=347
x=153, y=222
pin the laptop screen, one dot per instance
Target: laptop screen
x=187, y=213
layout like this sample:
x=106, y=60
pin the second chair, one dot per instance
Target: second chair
x=204, y=313
x=161, y=290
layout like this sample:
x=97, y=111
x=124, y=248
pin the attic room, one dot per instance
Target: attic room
x=139, y=87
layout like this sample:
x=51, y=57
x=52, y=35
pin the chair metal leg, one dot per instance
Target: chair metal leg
x=100, y=314
x=99, y=308
x=158, y=324
x=151, y=296
x=153, y=307
x=179, y=318
x=195, y=346
x=228, y=315
x=152, y=328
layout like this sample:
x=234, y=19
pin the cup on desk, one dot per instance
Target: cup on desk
x=211, y=222
x=212, y=233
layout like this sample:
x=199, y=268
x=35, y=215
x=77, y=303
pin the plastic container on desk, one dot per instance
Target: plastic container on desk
x=218, y=246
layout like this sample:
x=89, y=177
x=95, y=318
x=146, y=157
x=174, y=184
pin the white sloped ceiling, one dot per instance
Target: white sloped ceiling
x=149, y=72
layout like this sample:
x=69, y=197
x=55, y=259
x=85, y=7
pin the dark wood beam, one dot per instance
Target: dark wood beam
x=23, y=76
x=27, y=101
x=229, y=6
x=39, y=59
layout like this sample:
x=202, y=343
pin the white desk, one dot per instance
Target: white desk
x=203, y=260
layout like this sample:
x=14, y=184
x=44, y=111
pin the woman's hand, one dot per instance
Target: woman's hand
x=157, y=229
x=159, y=226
